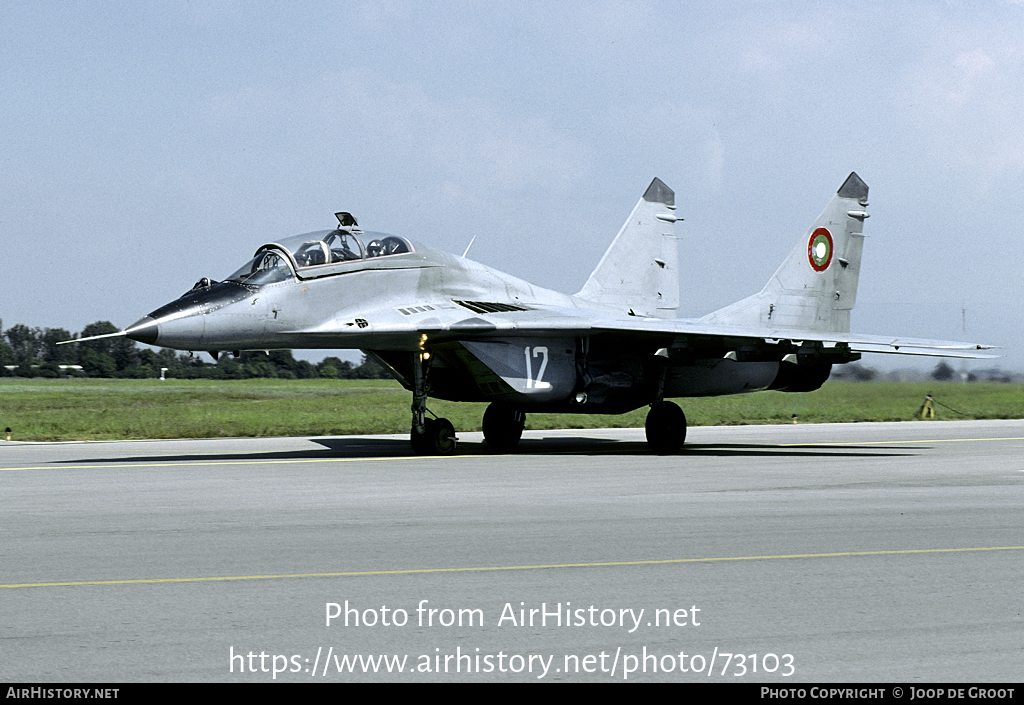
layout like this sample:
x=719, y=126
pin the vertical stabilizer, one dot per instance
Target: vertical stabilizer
x=815, y=288
x=639, y=274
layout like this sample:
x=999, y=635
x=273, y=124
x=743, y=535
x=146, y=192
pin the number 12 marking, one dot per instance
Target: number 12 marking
x=538, y=383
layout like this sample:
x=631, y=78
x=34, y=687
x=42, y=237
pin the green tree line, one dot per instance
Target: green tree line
x=34, y=352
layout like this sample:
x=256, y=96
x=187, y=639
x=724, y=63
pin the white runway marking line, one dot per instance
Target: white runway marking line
x=411, y=571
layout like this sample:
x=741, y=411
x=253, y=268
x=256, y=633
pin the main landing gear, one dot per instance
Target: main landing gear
x=428, y=436
x=503, y=426
x=503, y=423
x=666, y=427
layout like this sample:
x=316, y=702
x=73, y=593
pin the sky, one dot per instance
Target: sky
x=145, y=145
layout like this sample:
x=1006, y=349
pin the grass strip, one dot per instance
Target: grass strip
x=92, y=409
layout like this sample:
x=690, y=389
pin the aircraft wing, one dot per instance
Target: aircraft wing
x=683, y=329
x=541, y=320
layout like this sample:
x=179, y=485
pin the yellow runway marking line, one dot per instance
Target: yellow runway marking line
x=85, y=465
x=879, y=443
x=413, y=571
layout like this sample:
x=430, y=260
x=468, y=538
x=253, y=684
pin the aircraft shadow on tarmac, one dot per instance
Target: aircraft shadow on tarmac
x=359, y=447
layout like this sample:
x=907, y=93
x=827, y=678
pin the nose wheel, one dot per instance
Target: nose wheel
x=436, y=438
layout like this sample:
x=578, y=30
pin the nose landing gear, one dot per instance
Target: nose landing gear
x=427, y=436
x=437, y=438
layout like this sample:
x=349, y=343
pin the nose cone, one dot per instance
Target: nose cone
x=145, y=330
x=185, y=323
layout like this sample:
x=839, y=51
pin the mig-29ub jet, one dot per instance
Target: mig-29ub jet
x=451, y=328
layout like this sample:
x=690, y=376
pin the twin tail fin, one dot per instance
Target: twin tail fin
x=639, y=274
x=815, y=288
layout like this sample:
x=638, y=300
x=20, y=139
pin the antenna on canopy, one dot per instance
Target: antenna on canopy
x=469, y=245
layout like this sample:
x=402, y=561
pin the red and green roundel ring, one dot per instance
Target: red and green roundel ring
x=819, y=250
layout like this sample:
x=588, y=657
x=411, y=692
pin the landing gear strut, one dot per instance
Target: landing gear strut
x=666, y=427
x=503, y=426
x=428, y=436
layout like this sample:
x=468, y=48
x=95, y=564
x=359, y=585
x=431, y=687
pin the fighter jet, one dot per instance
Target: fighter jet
x=450, y=328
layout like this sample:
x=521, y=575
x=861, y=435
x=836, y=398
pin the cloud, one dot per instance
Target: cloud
x=362, y=115
x=964, y=99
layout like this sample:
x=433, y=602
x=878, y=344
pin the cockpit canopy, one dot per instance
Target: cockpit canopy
x=316, y=254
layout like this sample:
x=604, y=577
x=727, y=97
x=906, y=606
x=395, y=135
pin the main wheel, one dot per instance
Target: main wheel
x=503, y=426
x=666, y=427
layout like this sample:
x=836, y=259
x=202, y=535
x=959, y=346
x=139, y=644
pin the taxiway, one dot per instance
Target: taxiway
x=862, y=552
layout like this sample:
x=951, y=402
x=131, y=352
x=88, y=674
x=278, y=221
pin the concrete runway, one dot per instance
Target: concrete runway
x=778, y=554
